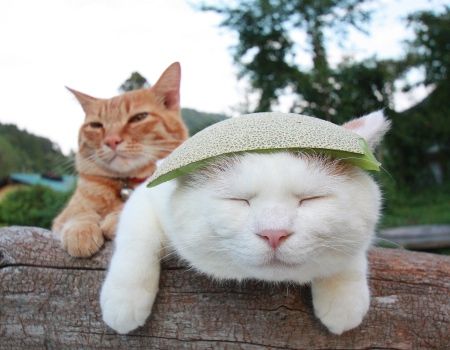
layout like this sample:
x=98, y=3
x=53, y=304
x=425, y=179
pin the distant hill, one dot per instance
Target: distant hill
x=197, y=121
x=21, y=151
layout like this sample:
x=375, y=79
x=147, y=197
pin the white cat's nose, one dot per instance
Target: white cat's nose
x=274, y=237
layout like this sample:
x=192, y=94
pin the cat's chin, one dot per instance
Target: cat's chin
x=276, y=259
x=274, y=271
x=276, y=265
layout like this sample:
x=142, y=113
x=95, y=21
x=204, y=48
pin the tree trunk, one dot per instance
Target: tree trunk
x=50, y=301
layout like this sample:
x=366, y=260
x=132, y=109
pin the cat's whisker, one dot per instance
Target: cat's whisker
x=389, y=242
x=190, y=268
x=173, y=252
x=64, y=162
x=339, y=250
x=160, y=146
x=337, y=239
x=344, y=249
x=196, y=241
x=170, y=256
x=387, y=172
x=341, y=244
x=165, y=143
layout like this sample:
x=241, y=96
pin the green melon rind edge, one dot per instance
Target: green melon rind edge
x=365, y=160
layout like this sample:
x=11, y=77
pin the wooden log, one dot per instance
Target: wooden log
x=50, y=301
x=418, y=237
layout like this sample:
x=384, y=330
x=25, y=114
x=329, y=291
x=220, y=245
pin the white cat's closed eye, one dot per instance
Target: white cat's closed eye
x=308, y=199
x=242, y=200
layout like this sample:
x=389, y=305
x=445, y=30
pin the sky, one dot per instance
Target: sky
x=94, y=45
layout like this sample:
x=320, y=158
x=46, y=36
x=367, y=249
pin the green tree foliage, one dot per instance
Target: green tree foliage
x=25, y=152
x=8, y=158
x=421, y=134
x=362, y=87
x=266, y=51
x=431, y=47
x=134, y=82
x=32, y=206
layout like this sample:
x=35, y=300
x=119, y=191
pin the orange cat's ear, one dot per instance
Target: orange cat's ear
x=86, y=101
x=168, y=86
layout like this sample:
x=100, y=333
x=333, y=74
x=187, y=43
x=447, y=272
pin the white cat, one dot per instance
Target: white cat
x=275, y=217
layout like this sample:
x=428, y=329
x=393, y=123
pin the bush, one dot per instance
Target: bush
x=32, y=206
x=421, y=206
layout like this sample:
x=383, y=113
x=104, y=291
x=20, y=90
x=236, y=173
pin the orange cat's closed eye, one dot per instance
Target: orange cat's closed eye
x=96, y=125
x=138, y=117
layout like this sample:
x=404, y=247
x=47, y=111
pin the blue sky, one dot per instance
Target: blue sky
x=94, y=45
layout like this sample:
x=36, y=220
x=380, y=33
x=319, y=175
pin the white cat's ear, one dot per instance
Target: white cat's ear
x=86, y=101
x=168, y=86
x=371, y=127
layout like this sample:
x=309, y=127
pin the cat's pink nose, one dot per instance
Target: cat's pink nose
x=112, y=141
x=274, y=237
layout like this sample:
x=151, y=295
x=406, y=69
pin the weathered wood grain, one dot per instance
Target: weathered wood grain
x=50, y=301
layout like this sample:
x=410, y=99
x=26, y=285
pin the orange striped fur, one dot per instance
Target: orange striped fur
x=120, y=138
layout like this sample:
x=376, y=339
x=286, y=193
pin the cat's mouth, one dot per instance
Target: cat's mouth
x=281, y=263
x=116, y=158
x=119, y=162
x=119, y=158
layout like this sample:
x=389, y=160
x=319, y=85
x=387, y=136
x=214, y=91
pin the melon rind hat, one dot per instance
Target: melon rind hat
x=265, y=132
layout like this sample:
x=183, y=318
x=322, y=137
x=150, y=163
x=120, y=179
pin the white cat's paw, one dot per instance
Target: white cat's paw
x=125, y=309
x=343, y=308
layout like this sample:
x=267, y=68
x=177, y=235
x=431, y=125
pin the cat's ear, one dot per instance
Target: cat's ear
x=86, y=101
x=168, y=86
x=371, y=127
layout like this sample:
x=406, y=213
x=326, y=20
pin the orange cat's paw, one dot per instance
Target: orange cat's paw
x=82, y=239
x=109, y=225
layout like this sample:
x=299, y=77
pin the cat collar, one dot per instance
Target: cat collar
x=127, y=186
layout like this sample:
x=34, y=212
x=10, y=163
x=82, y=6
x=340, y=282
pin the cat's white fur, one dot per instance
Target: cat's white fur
x=201, y=218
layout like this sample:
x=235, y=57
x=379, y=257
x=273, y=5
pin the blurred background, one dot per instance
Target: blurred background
x=333, y=59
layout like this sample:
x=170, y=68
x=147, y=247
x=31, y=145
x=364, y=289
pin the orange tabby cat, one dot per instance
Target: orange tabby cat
x=119, y=143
